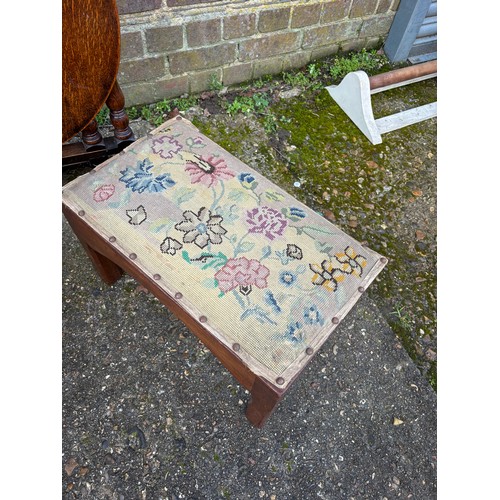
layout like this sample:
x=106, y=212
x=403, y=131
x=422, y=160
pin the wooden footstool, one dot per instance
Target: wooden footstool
x=259, y=277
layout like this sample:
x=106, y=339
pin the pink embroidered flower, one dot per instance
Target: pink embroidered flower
x=102, y=193
x=166, y=146
x=208, y=170
x=266, y=220
x=242, y=272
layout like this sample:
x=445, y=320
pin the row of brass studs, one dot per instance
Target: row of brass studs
x=203, y=319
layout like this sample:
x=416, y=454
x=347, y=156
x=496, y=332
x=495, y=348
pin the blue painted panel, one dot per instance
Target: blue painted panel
x=405, y=27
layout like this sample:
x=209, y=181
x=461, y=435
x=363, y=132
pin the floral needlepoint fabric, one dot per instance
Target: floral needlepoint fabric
x=268, y=272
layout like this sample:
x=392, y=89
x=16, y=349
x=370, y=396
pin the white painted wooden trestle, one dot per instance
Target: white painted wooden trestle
x=353, y=95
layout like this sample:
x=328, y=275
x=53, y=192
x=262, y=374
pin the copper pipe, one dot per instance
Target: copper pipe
x=400, y=75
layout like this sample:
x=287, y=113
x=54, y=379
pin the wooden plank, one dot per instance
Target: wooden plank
x=405, y=27
x=405, y=118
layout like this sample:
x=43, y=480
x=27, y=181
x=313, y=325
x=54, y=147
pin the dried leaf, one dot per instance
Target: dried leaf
x=397, y=421
x=419, y=234
x=372, y=164
x=417, y=192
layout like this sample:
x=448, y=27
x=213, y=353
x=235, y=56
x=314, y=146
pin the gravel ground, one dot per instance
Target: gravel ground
x=149, y=413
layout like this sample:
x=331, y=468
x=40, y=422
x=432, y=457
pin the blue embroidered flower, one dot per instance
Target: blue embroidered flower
x=294, y=333
x=312, y=316
x=293, y=213
x=287, y=278
x=247, y=180
x=142, y=179
x=270, y=300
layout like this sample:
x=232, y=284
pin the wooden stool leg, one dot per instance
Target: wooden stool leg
x=117, y=115
x=107, y=269
x=263, y=402
x=91, y=137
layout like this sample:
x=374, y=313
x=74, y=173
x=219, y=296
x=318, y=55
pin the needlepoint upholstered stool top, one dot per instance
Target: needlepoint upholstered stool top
x=267, y=276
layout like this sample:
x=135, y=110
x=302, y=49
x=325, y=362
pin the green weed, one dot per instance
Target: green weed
x=403, y=318
x=102, y=116
x=296, y=79
x=246, y=105
x=214, y=83
x=358, y=61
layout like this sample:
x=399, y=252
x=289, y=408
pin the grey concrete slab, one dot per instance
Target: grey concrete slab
x=149, y=413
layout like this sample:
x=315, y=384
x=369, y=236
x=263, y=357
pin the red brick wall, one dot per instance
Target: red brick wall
x=172, y=47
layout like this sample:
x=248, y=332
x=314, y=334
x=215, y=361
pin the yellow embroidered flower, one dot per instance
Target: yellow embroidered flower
x=327, y=275
x=352, y=263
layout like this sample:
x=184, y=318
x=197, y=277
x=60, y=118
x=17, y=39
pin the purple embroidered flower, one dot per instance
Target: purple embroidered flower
x=166, y=146
x=102, y=193
x=208, y=170
x=242, y=272
x=267, y=221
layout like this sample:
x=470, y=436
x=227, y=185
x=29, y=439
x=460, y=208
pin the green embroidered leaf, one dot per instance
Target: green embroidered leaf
x=260, y=315
x=266, y=252
x=195, y=142
x=185, y=256
x=322, y=247
x=236, y=194
x=245, y=246
x=184, y=194
x=209, y=283
x=239, y=299
x=159, y=224
x=124, y=198
x=274, y=195
x=216, y=261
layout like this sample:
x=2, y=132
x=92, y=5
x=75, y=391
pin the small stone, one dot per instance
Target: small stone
x=83, y=471
x=419, y=234
x=328, y=214
x=70, y=466
x=431, y=355
x=326, y=196
x=417, y=192
x=397, y=421
x=262, y=493
x=372, y=164
x=287, y=94
x=421, y=247
x=353, y=223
